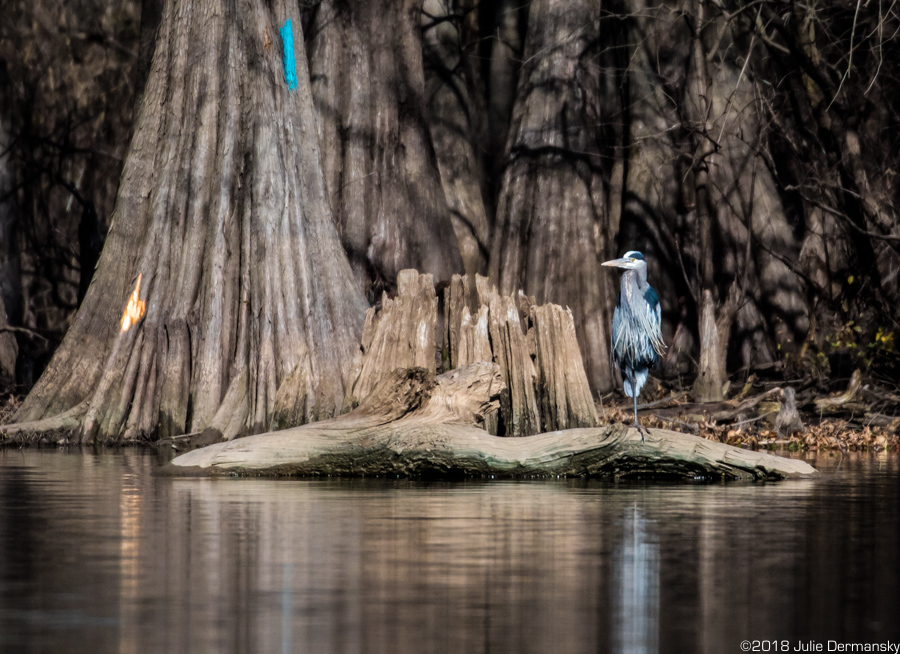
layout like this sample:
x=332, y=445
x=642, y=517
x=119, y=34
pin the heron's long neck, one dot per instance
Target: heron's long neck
x=633, y=280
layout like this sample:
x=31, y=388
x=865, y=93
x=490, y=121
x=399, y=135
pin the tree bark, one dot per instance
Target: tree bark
x=10, y=278
x=563, y=389
x=151, y=15
x=414, y=425
x=380, y=168
x=519, y=407
x=715, y=327
x=222, y=209
x=466, y=337
x=452, y=110
x=552, y=218
x=505, y=63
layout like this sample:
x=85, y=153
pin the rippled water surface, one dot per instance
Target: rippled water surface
x=98, y=555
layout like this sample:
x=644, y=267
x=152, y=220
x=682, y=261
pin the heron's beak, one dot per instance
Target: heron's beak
x=619, y=263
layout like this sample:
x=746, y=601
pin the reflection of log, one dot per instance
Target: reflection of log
x=415, y=424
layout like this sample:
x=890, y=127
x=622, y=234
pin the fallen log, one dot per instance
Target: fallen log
x=842, y=402
x=414, y=424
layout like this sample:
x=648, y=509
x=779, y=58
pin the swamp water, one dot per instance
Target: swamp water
x=98, y=555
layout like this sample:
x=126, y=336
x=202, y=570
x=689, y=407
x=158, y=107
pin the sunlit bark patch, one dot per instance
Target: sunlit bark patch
x=135, y=308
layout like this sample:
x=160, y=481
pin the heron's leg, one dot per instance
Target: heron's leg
x=641, y=429
x=637, y=425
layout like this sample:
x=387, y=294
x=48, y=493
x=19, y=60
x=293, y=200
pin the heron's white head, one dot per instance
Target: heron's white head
x=632, y=260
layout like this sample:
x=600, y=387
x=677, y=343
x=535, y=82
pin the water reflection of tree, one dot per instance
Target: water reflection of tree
x=147, y=564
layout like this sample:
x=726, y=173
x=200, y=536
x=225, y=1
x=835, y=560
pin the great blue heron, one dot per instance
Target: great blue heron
x=636, y=339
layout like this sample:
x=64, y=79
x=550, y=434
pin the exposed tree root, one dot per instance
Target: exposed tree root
x=59, y=428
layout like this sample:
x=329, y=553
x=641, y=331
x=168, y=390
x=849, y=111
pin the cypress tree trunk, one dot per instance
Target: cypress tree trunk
x=452, y=110
x=506, y=47
x=552, y=217
x=222, y=210
x=10, y=279
x=379, y=163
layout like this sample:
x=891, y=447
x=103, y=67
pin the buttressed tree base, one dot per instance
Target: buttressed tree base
x=252, y=312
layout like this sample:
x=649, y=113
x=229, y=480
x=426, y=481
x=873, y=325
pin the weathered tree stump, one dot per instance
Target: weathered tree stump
x=400, y=335
x=414, y=424
x=564, y=393
x=546, y=383
x=466, y=337
x=518, y=405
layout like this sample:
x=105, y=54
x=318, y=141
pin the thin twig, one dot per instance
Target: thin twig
x=749, y=420
x=665, y=400
x=738, y=83
x=845, y=217
x=687, y=280
x=849, y=57
x=880, y=52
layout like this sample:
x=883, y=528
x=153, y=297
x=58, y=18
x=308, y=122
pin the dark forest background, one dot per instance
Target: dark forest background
x=749, y=148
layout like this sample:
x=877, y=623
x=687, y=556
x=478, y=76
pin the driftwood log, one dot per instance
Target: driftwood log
x=416, y=424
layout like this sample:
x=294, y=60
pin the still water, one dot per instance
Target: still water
x=98, y=555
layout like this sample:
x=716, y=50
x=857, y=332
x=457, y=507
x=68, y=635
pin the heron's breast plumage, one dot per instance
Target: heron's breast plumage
x=636, y=337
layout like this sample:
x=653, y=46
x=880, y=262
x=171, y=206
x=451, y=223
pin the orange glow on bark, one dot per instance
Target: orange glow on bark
x=134, y=310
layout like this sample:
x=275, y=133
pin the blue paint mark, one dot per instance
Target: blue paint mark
x=290, y=64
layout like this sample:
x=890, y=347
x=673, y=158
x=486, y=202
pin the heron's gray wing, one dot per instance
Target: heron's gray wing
x=614, y=336
x=651, y=319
